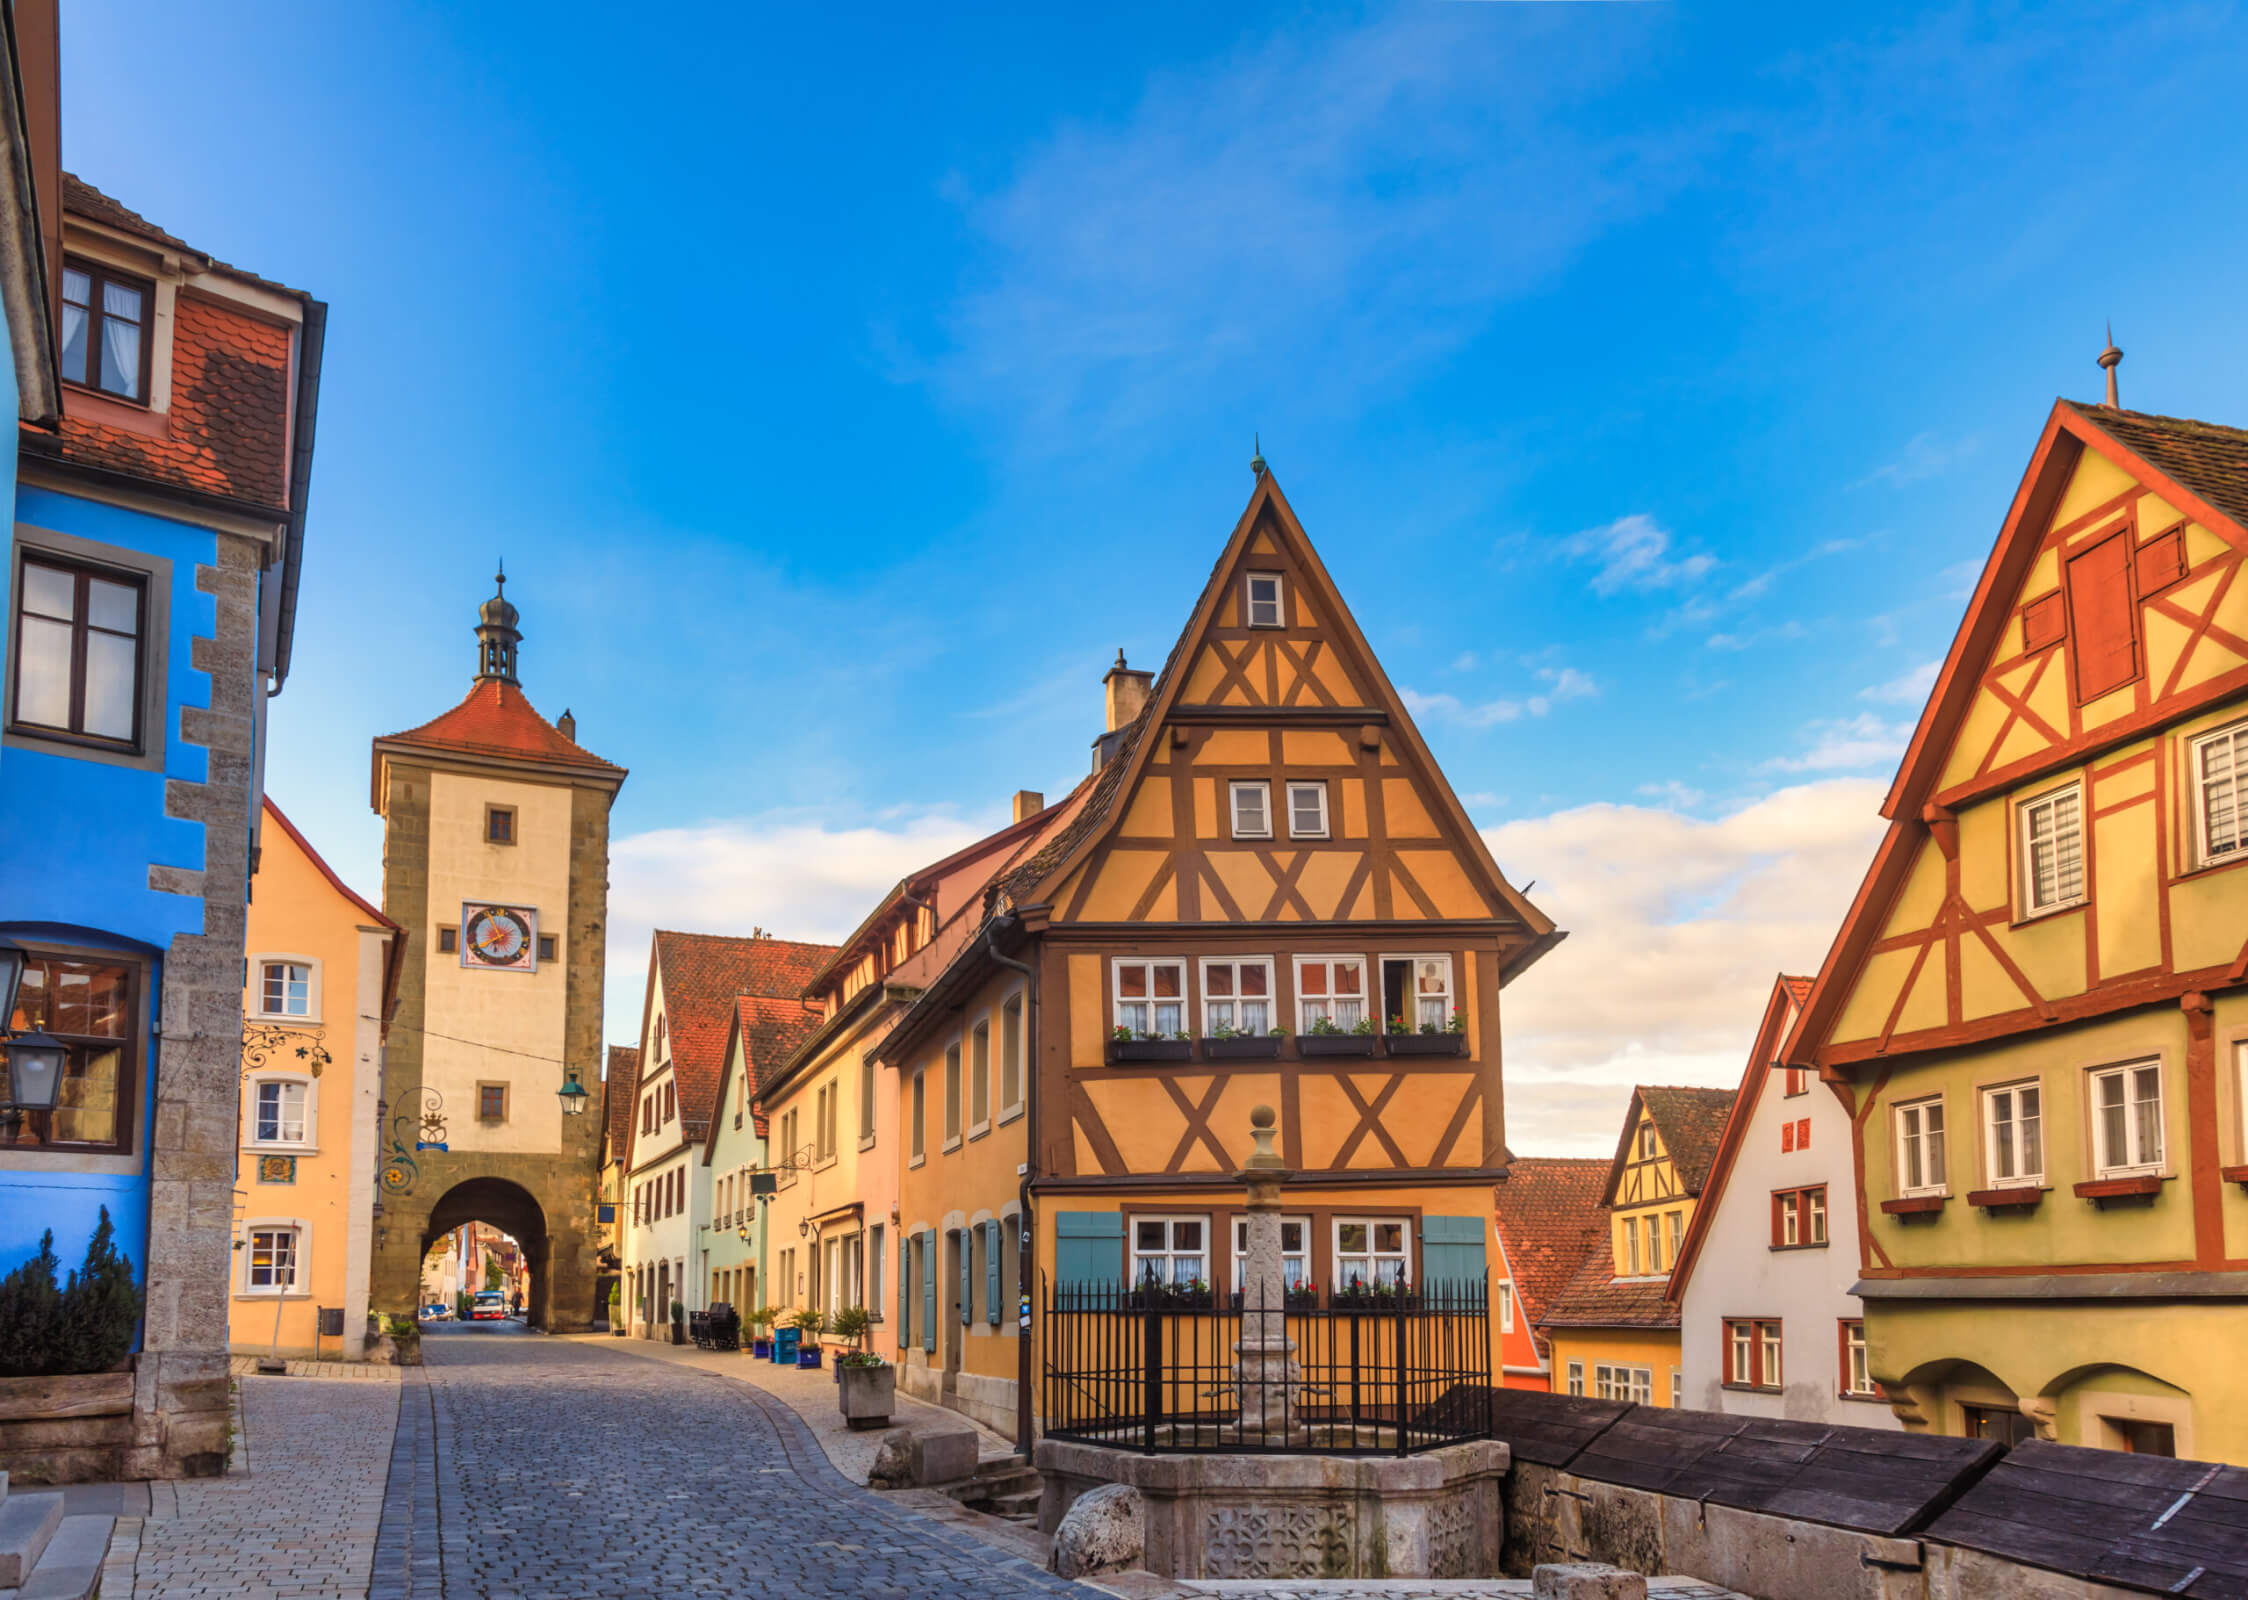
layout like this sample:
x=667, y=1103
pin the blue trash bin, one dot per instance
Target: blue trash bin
x=784, y=1346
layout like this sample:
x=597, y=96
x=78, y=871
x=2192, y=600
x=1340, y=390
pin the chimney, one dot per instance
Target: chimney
x=1028, y=803
x=1127, y=692
x=567, y=725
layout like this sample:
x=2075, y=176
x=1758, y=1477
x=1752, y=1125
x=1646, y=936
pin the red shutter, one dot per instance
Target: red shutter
x=1803, y=1134
x=2043, y=622
x=2161, y=561
x=2099, y=603
x=1787, y=1137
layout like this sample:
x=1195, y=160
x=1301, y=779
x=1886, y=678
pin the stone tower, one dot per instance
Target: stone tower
x=496, y=865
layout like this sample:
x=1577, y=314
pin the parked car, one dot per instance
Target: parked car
x=490, y=1306
x=436, y=1311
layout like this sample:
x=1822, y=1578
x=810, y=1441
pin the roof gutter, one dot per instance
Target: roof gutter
x=1026, y=1252
x=311, y=346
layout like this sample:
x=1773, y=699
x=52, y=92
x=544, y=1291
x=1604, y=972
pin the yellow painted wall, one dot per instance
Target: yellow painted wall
x=295, y=912
x=515, y=1011
x=1654, y=1348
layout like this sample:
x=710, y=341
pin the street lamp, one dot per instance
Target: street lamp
x=34, y=1078
x=573, y=1095
x=12, y=961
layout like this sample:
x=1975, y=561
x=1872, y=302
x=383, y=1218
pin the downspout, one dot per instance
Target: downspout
x=1025, y=1252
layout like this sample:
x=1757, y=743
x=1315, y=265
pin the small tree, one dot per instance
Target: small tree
x=100, y=1307
x=492, y=1273
x=30, y=1314
x=852, y=1323
x=808, y=1322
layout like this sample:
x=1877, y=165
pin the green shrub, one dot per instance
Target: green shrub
x=808, y=1321
x=86, y=1325
x=31, y=1315
x=852, y=1323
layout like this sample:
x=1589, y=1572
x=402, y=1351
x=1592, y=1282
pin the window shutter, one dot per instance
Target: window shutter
x=929, y=1292
x=1452, y=1251
x=2162, y=561
x=967, y=1276
x=992, y=1257
x=2043, y=622
x=1089, y=1248
x=2099, y=603
x=905, y=1292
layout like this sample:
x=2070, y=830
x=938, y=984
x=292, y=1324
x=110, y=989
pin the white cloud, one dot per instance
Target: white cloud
x=1679, y=796
x=1908, y=689
x=1676, y=928
x=1634, y=553
x=1847, y=744
x=788, y=874
x=1562, y=683
x=1465, y=661
x=1924, y=456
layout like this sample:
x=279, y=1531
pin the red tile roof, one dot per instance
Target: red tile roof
x=2206, y=457
x=1691, y=1121
x=495, y=719
x=1798, y=989
x=704, y=977
x=83, y=199
x=619, y=1093
x=1550, y=1218
x=1594, y=1299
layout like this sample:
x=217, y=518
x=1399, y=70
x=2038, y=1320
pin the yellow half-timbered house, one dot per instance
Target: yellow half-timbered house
x=1265, y=894
x=2036, y=1007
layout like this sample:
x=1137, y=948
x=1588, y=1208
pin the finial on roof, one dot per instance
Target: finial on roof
x=1257, y=461
x=496, y=635
x=2111, y=358
x=1120, y=656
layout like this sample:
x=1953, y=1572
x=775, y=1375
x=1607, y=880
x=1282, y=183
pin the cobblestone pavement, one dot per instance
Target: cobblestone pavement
x=294, y=1520
x=556, y=1470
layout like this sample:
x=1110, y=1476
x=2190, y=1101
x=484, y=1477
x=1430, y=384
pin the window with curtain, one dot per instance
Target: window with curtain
x=280, y=1113
x=2127, y=1119
x=2053, y=850
x=1237, y=996
x=105, y=317
x=78, y=651
x=272, y=1267
x=2218, y=762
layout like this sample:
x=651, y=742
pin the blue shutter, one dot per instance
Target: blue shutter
x=905, y=1289
x=1089, y=1248
x=1452, y=1251
x=929, y=1292
x=967, y=1240
x=992, y=1249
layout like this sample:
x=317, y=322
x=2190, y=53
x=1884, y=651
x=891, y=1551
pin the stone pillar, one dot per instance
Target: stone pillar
x=1265, y=1368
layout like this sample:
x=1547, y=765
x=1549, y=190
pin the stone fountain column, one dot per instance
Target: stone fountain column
x=1265, y=1366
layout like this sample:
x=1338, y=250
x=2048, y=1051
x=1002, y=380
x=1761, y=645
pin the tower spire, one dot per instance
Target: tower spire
x=2111, y=358
x=496, y=634
x=1256, y=459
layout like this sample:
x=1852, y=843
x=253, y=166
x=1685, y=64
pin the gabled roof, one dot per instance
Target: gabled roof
x=1787, y=997
x=769, y=1032
x=1035, y=881
x=495, y=720
x=85, y=200
x=394, y=948
x=620, y=1092
x=1550, y=1218
x=704, y=976
x=1691, y=1121
x=1594, y=1299
x=2199, y=467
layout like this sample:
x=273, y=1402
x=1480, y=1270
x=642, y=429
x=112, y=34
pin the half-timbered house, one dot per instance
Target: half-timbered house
x=1265, y=894
x=1611, y=1333
x=2036, y=1002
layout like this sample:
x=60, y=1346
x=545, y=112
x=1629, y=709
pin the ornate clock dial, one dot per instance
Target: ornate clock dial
x=496, y=936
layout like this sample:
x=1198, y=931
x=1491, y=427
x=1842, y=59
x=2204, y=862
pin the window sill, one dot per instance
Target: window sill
x=949, y=1145
x=263, y=1149
x=2013, y=1197
x=917, y=1161
x=76, y=741
x=1915, y=1205
x=1755, y=1388
x=1315, y=838
x=1876, y=1399
x=866, y=1141
x=978, y=1130
x=2040, y=913
x=1811, y=1244
x=283, y=1019
x=262, y=1296
x=2139, y=1186
x=2233, y=1174
x=1010, y=1114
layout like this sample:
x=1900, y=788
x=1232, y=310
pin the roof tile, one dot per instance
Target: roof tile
x=704, y=976
x=1550, y=1218
x=619, y=1084
x=2205, y=457
x=1594, y=1298
x=1691, y=1122
x=495, y=718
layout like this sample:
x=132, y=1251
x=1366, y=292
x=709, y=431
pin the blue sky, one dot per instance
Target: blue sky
x=843, y=392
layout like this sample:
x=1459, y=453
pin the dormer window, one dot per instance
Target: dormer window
x=105, y=317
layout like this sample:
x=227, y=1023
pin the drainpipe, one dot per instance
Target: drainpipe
x=1025, y=1253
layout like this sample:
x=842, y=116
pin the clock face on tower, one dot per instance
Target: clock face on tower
x=501, y=937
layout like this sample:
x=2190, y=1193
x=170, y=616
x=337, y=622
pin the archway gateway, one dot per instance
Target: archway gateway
x=556, y=1243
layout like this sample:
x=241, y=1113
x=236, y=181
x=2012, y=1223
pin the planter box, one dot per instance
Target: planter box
x=93, y=1394
x=867, y=1395
x=1425, y=1044
x=808, y=1355
x=1335, y=1044
x=1151, y=1049
x=2104, y=1192
x=678, y=1333
x=1248, y=1047
x=762, y=1349
x=2023, y=1197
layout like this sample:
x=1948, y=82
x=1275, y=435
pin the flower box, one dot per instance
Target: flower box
x=1424, y=1044
x=867, y=1395
x=1335, y=1044
x=1915, y=1205
x=808, y=1355
x=2102, y=1191
x=762, y=1349
x=1243, y=1047
x=1151, y=1049
x=2016, y=1197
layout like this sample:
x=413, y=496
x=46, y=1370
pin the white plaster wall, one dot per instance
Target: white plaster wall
x=514, y=1021
x=1739, y=1274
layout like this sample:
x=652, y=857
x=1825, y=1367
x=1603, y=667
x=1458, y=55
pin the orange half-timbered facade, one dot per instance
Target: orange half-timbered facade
x=2038, y=1005
x=1265, y=894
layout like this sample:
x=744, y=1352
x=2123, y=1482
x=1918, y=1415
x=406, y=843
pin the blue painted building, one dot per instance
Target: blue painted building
x=158, y=533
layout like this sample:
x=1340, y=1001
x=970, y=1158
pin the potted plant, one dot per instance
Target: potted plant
x=616, y=1309
x=866, y=1388
x=1326, y=1038
x=678, y=1322
x=761, y=1332
x=808, y=1325
x=1226, y=1043
x=1427, y=1040
x=405, y=1341
x=1125, y=1045
x=851, y=1324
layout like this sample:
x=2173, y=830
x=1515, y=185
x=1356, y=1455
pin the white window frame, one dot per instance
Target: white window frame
x=1915, y=1112
x=1016, y=1058
x=1373, y=1255
x=2025, y=824
x=1263, y=791
x=2234, y=735
x=979, y=1076
x=1150, y=1002
x=1615, y=1381
x=1171, y=1254
x=1250, y=603
x=284, y=958
x=300, y=1233
x=1298, y=1258
x=1674, y=1234
x=1577, y=1378
x=1237, y=1002
x=1298, y=786
x=869, y=1074
x=1304, y=1004
x=1631, y=1247
x=308, y=1139
x=1506, y=1306
x=1856, y=1359
x=955, y=1092
x=917, y=1107
x=2026, y=1176
x=2139, y=1162
x=1413, y=998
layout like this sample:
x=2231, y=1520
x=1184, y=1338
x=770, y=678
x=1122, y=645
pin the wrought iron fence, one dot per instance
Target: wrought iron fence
x=1155, y=1370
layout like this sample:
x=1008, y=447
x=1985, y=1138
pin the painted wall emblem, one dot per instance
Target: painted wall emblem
x=277, y=1169
x=503, y=938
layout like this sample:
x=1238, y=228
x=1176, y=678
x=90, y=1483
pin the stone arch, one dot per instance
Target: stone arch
x=2112, y=1406
x=513, y=1210
x=1939, y=1394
